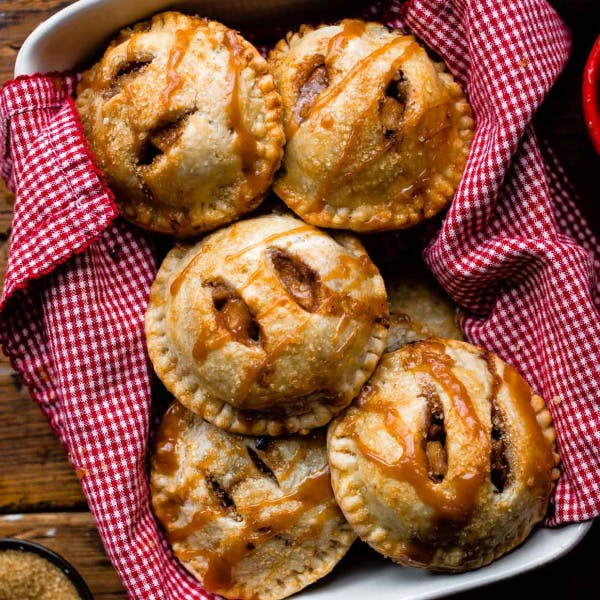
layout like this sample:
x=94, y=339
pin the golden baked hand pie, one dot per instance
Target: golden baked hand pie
x=446, y=459
x=419, y=307
x=252, y=518
x=183, y=118
x=377, y=133
x=267, y=326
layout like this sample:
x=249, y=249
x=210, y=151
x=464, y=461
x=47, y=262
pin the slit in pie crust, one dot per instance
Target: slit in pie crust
x=446, y=460
x=251, y=518
x=184, y=120
x=267, y=326
x=377, y=133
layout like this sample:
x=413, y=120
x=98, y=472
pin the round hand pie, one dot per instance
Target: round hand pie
x=252, y=518
x=267, y=326
x=377, y=133
x=183, y=118
x=446, y=460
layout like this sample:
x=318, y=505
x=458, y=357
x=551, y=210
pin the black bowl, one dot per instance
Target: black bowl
x=73, y=576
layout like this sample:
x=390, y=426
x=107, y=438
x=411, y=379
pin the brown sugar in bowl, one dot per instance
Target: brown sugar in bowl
x=30, y=571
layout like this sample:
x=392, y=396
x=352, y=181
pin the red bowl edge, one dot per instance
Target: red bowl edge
x=590, y=95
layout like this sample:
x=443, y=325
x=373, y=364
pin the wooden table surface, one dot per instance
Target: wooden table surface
x=40, y=497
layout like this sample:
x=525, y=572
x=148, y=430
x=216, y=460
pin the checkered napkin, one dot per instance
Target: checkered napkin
x=513, y=251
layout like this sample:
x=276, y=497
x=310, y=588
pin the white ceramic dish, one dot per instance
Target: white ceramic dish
x=78, y=32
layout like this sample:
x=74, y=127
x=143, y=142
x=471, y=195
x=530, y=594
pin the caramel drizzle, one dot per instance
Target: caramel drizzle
x=265, y=364
x=351, y=28
x=454, y=500
x=269, y=240
x=224, y=332
x=520, y=393
x=339, y=303
x=262, y=521
x=285, y=466
x=217, y=338
x=178, y=51
x=178, y=281
x=361, y=67
x=348, y=152
x=173, y=423
x=245, y=140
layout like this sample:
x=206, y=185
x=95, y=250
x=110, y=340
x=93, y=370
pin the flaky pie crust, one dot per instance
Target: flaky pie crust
x=450, y=509
x=251, y=518
x=419, y=307
x=267, y=326
x=377, y=133
x=184, y=120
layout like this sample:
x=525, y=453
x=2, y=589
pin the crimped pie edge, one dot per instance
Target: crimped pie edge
x=437, y=197
x=158, y=219
x=184, y=384
x=349, y=491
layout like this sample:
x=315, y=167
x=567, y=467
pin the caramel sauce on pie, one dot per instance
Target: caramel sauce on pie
x=235, y=318
x=269, y=240
x=267, y=361
x=351, y=28
x=259, y=521
x=454, y=500
x=258, y=527
x=183, y=37
x=360, y=152
x=454, y=505
x=215, y=340
x=168, y=510
x=173, y=423
x=231, y=323
x=362, y=66
x=196, y=523
x=341, y=172
x=246, y=141
x=179, y=280
x=520, y=392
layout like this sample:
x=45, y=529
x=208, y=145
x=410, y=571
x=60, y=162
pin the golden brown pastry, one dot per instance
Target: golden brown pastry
x=183, y=118
x=377, y=133
x=268, y=325
x=252, y=518
x=446, y=460
x=419, y=307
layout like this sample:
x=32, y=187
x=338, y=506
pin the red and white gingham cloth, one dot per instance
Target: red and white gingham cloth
x=513, y=251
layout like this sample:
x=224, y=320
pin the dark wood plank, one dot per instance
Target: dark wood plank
x=73, y=536
x=35, y=473
x=17, y=20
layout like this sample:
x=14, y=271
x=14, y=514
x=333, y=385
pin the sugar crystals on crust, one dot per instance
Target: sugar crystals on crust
x=377, y=133
x=184, y=120
x=447, y=459
x=267, y=326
